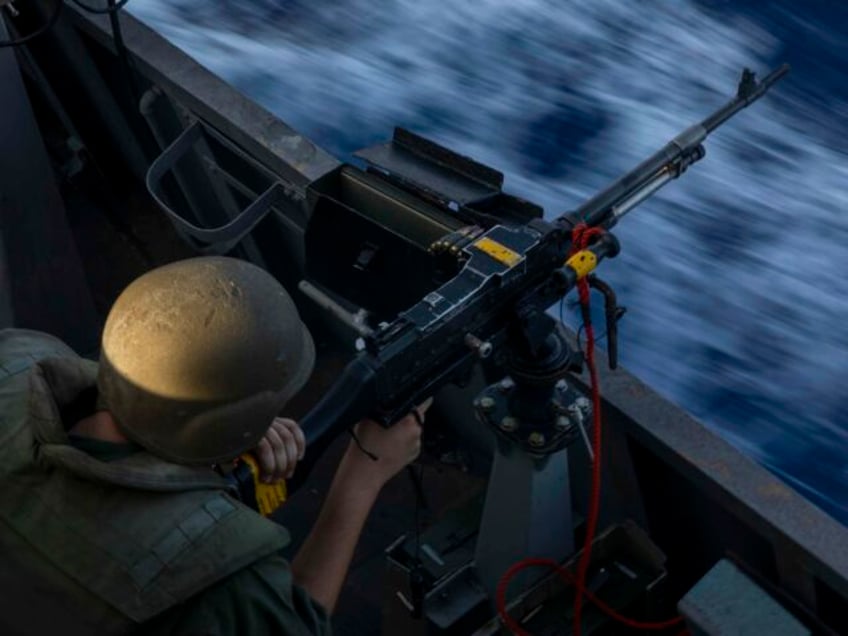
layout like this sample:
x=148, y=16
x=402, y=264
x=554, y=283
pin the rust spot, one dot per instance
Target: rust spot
x=774, y=490
x=717, y=467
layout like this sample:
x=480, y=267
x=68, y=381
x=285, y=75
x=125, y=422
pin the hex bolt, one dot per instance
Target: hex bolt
x=584, y=404
x=562, y=423
x=487, y=403
x=509, y=424
x=536, y=439
x=506, y=385
x=482, y=348
x=561, y=385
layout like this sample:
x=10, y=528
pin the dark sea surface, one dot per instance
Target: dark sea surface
x=735, y=276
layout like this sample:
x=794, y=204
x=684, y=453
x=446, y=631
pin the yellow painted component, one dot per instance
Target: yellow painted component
x=497, y=251
x=583, y=262
x=269, y=497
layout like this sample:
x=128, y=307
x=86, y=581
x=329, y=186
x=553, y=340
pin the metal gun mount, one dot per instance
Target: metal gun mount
x=507, y=271
x=536, y=414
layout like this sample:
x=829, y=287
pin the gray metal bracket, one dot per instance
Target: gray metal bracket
x=527, y=514
x=210, y=240
x=421, y=163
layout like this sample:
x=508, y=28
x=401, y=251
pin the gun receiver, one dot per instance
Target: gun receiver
x=511, y=275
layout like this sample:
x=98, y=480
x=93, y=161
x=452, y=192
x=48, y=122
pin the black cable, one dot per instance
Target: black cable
x=102, y=11
x=359, y=445
x=117, y=33
x=580, y=329
x=121, y=49
x=416, y=573
x=417, y=479
x=47, y=26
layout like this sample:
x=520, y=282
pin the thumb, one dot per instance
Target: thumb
x=422, y=408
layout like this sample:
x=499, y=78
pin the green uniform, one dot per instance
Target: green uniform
x=131, y=545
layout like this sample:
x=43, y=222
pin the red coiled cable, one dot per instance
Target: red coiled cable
x=580, y=239
x=581, y=236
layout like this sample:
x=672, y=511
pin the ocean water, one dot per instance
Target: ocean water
x=735, y=276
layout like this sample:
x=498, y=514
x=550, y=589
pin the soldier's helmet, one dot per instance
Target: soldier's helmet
x=199, y=356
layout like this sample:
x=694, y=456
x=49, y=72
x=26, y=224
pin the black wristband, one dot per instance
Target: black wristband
x=418, y=417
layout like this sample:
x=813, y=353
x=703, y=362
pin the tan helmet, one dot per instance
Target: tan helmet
x=199, y=356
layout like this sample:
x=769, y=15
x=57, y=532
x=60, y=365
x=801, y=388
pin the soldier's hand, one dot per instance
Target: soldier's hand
x=395, y=447
x=280, y=449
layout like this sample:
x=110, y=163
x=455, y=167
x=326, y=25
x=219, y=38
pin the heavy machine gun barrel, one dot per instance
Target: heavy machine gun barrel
x=511, y=275
x=609, y=205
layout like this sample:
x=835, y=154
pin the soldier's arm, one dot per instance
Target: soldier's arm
x=321, y=565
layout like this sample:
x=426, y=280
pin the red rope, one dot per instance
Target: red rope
x=580, y=239
x=581, y=236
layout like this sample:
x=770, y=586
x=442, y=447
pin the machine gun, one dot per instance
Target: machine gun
x=497, y=304
x=497, y=268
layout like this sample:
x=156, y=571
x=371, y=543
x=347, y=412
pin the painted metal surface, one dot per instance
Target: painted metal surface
x=41, y=276
x=795, y=529
x=726, y=601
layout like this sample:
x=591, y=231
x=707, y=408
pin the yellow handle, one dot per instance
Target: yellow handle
x=269, y=497
x=583, y=262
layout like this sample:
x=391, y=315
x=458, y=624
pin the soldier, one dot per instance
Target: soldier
x=112, y=518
